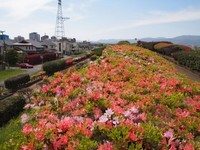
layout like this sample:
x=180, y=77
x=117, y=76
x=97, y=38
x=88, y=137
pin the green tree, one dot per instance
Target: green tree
x=11, y=56
x=123, y=43
x=21, y=57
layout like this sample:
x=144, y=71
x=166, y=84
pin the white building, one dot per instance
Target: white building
x=64, y=47
x=34, y=36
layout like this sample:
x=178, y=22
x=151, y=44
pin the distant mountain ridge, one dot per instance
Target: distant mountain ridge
x=190, y=40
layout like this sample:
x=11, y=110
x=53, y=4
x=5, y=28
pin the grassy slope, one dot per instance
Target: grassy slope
x=14, y=126
x=10, y=73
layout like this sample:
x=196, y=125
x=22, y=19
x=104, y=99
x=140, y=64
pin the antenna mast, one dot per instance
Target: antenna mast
x=59, y=30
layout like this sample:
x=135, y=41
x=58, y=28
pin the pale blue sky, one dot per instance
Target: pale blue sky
x=102, y=19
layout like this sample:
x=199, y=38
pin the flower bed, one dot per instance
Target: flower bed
x=129, y=99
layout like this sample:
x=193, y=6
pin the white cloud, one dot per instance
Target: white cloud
x=77, y=9
x=20, y=9
x=155, y=18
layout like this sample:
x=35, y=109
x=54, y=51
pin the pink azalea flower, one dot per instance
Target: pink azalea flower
x=169, y=133
x=188, y=146
x=109, y=112
x=127, y=113
x=103, y=119
x=133, y=136
x=134, y=110
x=39, y=136
x=115, y=121
x=27, y=129
x=106, y=146
x=28, y=147
x=24, y=118
x=64, y=140
x=142, y=116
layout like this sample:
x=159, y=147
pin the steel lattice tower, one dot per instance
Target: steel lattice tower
x=59, y=30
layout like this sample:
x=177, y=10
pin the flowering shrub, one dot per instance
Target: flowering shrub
x=161, y=45
x=69, y=62
x=189, y=59
x=129, y=99
x=184, y=47
x=33, y=59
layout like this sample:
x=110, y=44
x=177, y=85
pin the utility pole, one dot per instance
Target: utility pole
x=59, y=29
x=4, y=45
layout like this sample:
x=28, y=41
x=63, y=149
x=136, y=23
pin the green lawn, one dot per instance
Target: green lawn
x=10, y=129
x=10, y=73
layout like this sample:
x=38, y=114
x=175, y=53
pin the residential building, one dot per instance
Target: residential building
x=19, y=39
x=8, y=45
x=34, y=36
x=49, y=45
x=85, y=45
x=29, y=46
x=54, y=38
x=45, y=37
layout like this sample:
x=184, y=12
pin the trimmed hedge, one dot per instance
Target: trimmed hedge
x=54, y=66
x=10, y=107
x=94, y=57
x=170, y=49
x=161, y=45
x=17, y=81
x=190, y=59
x=150, y=45
x=98, y=51
x=58, y=65
x=49, y=57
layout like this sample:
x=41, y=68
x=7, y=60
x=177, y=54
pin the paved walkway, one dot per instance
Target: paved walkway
x=191, y=75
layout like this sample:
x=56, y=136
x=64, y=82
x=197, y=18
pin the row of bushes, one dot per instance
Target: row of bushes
x=10, y=107
x=150, y=45
x=39, y=58
x=17, y=81
x=190, y=59
x=181, y=53
x=50, y=67
x=166, y=48
x=54, y=66
x=58, y=65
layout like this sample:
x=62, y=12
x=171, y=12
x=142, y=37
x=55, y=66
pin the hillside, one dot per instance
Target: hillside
x=189, y=40
x=129, y=98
